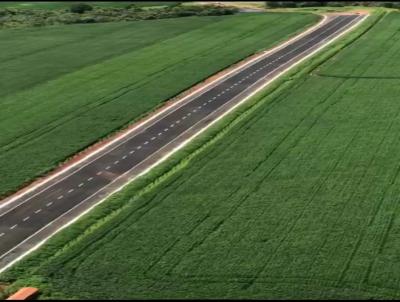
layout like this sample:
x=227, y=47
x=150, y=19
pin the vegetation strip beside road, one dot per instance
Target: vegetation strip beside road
x=193, y=251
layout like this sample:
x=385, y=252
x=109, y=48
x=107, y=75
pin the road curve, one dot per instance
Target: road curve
x=33, y=217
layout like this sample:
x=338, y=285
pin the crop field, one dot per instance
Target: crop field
x=64, y=87
x=300, y=199
x=65, y=5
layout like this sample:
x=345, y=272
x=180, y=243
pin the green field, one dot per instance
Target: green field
x=65, y=5
x=299, y=199
x=64, y=87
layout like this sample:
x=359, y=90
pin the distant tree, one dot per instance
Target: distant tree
x=388, y=4
x=134, y=7
x=311, y=4
x=275, y=4
x=80, y=8
x=271, y=4
x=335, y=4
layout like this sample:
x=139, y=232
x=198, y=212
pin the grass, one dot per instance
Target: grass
x=69, y=86
x=65, y=5
x=297, y=199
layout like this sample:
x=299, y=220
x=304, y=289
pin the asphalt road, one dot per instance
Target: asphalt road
x=26, y=218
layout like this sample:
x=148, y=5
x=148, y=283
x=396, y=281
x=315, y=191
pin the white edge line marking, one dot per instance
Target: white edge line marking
x=150, y=119
x=165, y=156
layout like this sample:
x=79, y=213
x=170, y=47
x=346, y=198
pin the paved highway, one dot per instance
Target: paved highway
x=34, y=216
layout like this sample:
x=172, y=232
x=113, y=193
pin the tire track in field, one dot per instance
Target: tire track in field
x=286, y=282
x=363, y=233
x=294, y=129
x=346, y=203
x=242, y=200
x=305, y=170
x=339, y=159
x=352, y=194
x=343, y=186
x=308, y=153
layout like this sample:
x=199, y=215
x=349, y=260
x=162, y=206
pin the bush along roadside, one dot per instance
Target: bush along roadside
x=85, y=13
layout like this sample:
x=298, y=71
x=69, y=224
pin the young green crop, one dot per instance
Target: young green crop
x=69, y=86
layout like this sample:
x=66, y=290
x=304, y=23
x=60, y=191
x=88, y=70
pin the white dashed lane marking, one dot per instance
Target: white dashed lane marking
x=14, y=226
x=71, y=190
x=38, y=211
x=26, y=218
x=60, y=197
x=49, y=204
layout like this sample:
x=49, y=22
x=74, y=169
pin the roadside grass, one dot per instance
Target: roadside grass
x=293, y=196
x=70, y=86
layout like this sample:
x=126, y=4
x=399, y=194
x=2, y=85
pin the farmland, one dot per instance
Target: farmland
x=69, y=86
x=65, y=5
x=298, y=200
